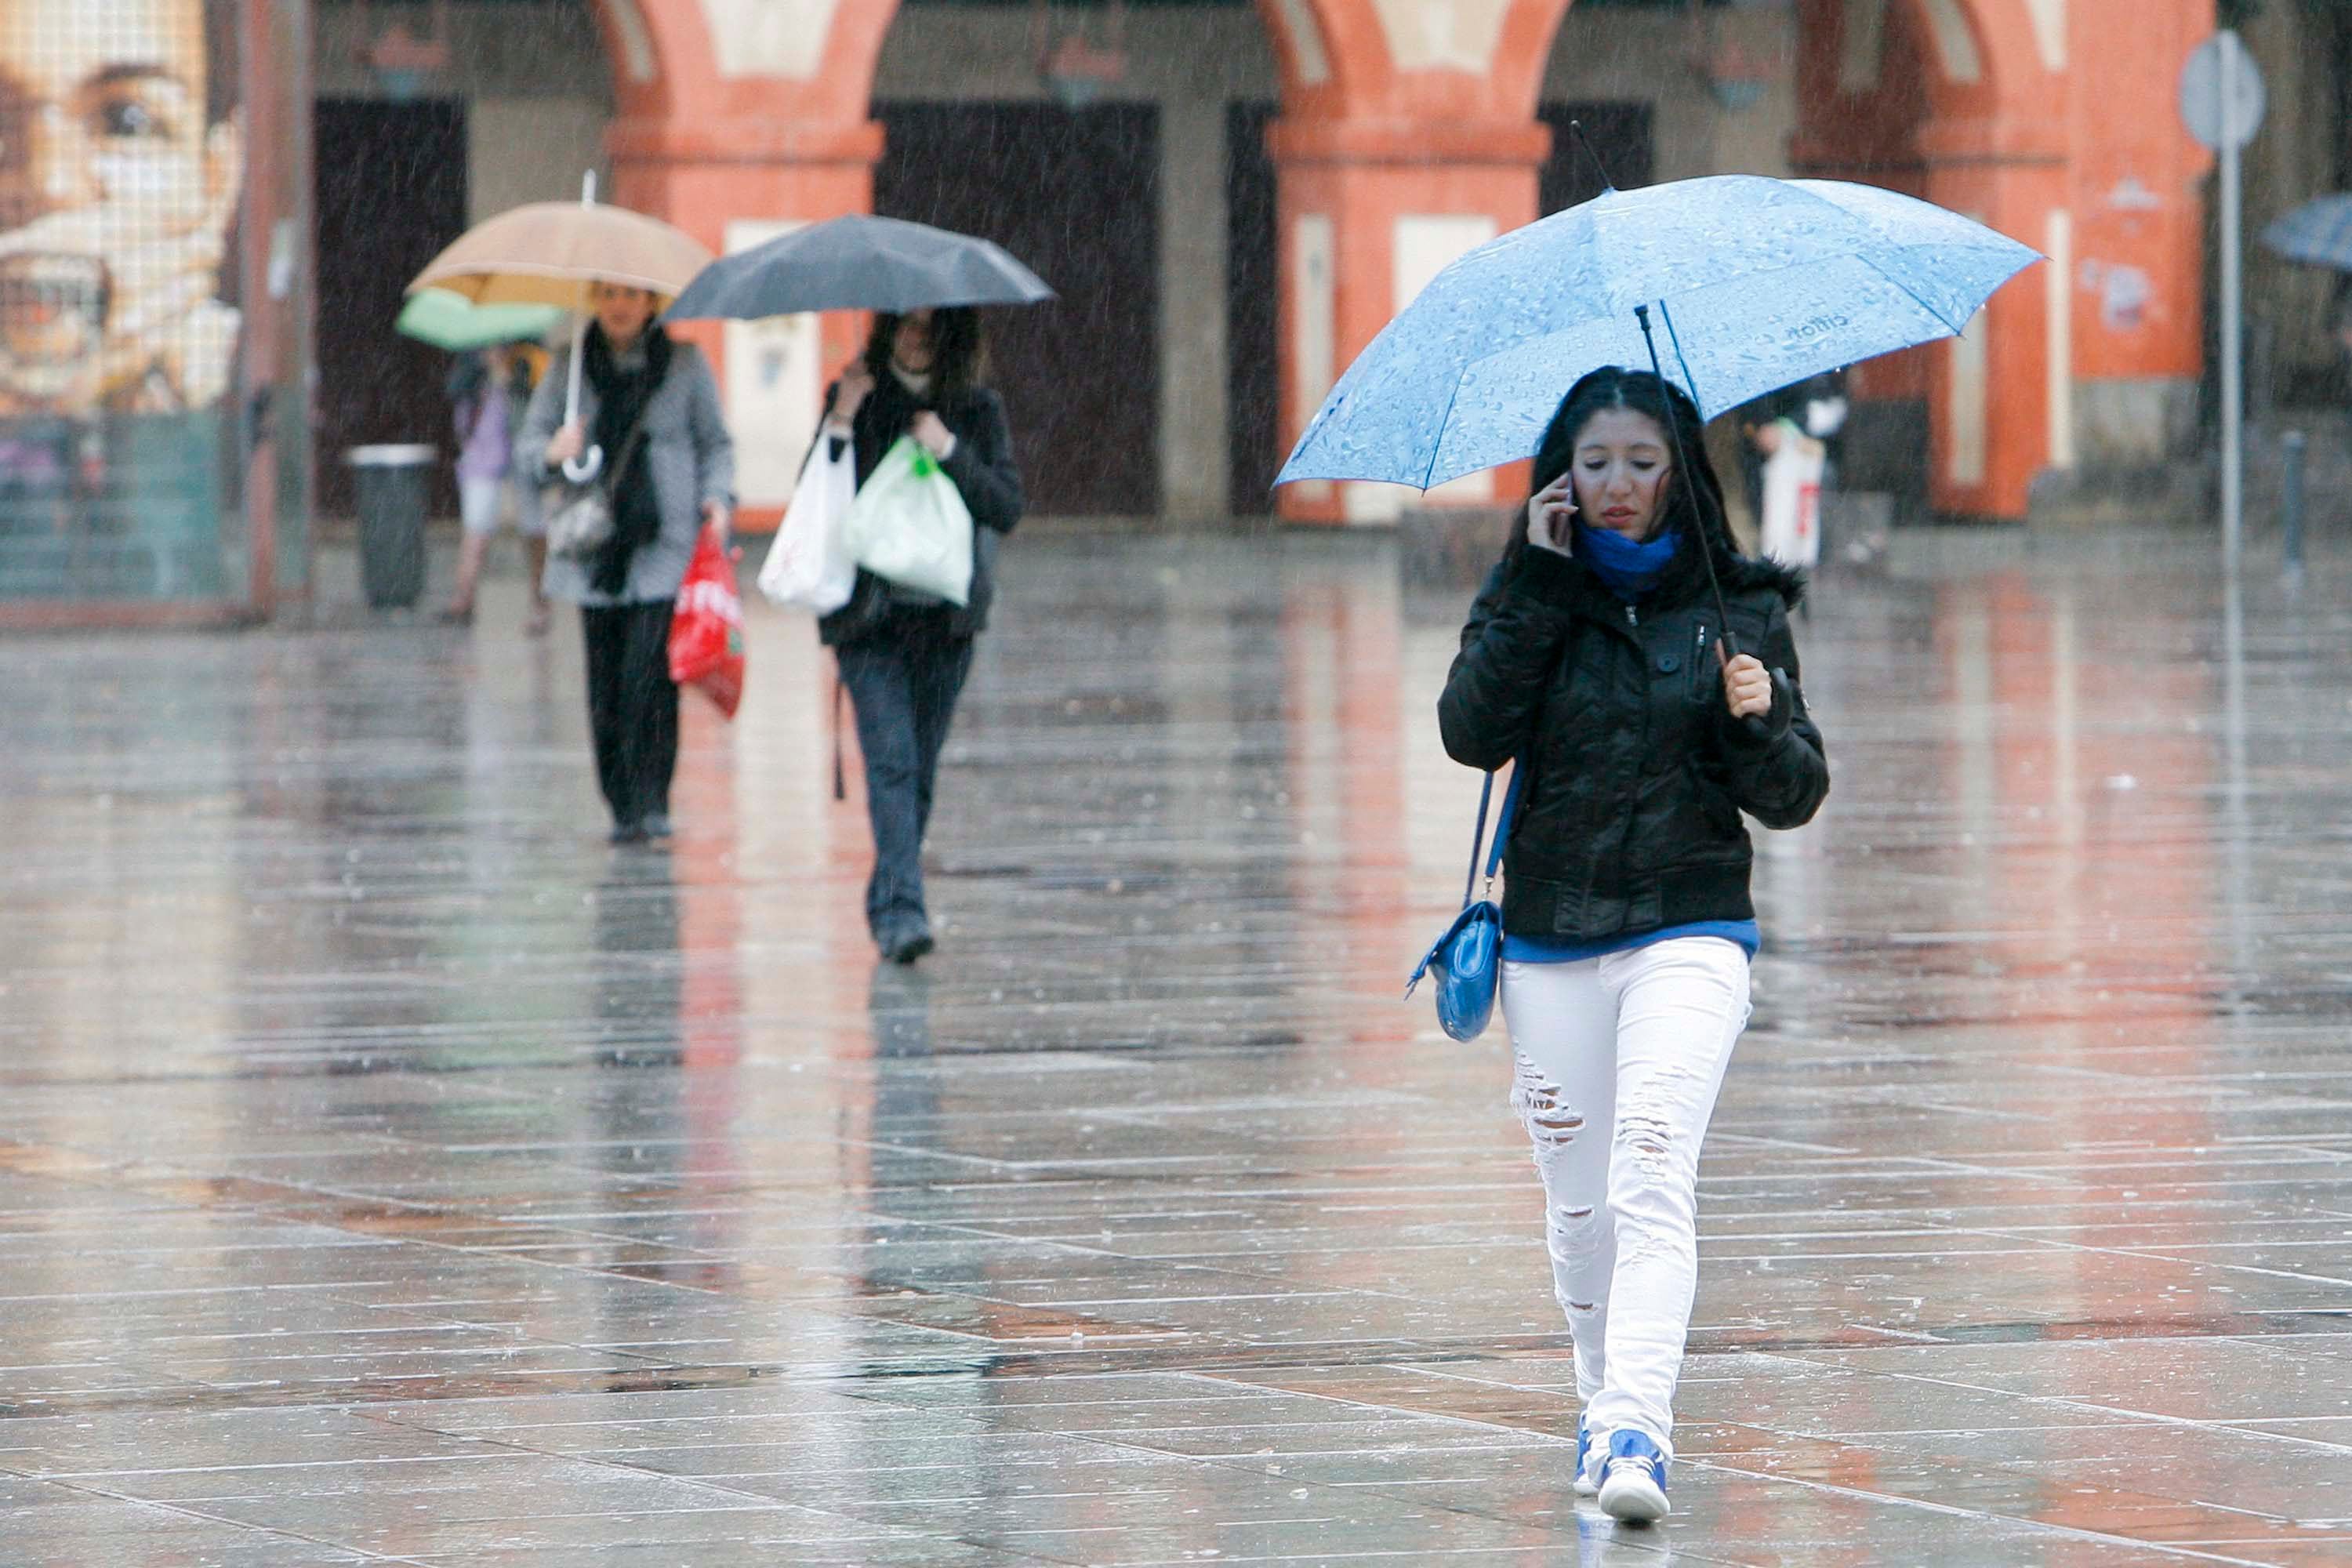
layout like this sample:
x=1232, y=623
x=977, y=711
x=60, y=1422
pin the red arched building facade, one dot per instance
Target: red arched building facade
x=1408, y=133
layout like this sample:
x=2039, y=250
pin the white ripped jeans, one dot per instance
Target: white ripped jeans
x=1619, y=1061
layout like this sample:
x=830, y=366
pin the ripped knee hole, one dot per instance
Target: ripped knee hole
x=1538, y=1101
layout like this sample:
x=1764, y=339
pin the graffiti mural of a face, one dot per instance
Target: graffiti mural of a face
x=119, y=180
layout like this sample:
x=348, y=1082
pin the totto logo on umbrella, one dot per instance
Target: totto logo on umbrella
x=1815, y=329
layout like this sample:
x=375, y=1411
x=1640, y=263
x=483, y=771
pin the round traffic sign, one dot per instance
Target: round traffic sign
x=2223, y=62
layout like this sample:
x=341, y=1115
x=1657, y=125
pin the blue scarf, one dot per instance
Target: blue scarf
x=1628, y=569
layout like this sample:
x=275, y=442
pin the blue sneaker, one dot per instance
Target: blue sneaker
x=1588, y=1474
x=1633, y=1480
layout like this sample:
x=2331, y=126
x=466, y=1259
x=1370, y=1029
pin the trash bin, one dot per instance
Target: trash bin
x=391, y=485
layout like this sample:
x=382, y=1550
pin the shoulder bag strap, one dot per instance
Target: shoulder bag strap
x=1502, y=830
x=613, y=470
x=1510, y=813
x=611, y=476
x=1478, y=841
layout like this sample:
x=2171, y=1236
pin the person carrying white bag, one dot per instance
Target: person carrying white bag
x=809, y=566
x=925, y=439
x=1791, y=529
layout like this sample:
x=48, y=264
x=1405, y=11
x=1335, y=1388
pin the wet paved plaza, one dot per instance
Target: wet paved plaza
x=390, y=1172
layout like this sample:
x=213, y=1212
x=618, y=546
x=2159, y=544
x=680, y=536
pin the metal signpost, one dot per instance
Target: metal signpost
x=2221, y=100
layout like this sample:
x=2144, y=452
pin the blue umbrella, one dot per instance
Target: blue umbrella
x=1754, y=283
x=2319, y=232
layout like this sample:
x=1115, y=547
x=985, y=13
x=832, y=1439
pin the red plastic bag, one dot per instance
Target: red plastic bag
x=706, y=633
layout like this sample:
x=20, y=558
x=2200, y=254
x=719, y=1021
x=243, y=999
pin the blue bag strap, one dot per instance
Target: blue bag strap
x=1478, y=841
x=1510, y=812
x=1502, y=831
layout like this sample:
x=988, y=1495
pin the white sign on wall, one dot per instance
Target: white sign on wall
x=774, y=385
x=770, y=37
x=1425, y=245
x=1313, y=324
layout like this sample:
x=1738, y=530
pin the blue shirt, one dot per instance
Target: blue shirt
x=1543, y=950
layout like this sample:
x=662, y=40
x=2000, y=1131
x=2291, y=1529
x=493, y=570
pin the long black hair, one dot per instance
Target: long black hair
x=957, y=355
x=1694, y=498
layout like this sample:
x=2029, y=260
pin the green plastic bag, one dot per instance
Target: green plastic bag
x=910, y=526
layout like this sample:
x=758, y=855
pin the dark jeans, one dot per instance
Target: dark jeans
x=632, y=707
x=903, y=681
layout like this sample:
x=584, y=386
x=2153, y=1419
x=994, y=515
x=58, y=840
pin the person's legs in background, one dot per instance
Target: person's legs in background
x=649, y=705
x=603, y=636
x=477, y=512
x=940, y=669
x=880, y=677
x=530, y=521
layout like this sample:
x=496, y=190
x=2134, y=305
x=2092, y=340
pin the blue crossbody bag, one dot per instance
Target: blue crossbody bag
x=1468, y=959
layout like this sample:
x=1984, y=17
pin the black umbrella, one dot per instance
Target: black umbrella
x=859, y=263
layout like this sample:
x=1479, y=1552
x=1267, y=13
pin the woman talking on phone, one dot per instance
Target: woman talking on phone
x=1596, y=658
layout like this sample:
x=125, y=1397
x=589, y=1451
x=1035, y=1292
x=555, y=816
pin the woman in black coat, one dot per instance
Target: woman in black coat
x=1596, y=658
x=904, y=655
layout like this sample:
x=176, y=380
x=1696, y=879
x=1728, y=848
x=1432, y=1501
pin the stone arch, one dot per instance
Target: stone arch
x=730, y=108
x=1983, y=139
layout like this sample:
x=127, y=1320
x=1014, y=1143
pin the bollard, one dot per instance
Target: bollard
x=2293, y=447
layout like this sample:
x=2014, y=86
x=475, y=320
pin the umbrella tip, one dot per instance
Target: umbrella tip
x=1576, y=130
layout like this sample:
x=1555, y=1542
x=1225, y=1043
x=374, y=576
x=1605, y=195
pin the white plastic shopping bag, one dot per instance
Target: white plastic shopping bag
x=1792, y=531
x=809, y=566
x=910, y=525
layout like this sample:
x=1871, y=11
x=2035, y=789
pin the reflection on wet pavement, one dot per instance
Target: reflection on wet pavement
x=391, y=1172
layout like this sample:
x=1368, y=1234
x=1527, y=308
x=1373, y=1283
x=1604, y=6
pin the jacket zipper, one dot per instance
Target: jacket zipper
x=1631, y=618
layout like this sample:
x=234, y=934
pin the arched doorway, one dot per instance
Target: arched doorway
x=799, y=127
x=1406, y=133
x=406, y=157
x=2091, y=358
x=1112, y=182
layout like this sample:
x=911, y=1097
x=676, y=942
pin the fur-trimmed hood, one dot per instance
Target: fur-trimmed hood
x=1748, y=573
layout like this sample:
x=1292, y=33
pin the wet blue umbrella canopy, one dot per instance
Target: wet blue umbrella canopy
x=2319, y=232
x=1755, y=283
x=859, y=263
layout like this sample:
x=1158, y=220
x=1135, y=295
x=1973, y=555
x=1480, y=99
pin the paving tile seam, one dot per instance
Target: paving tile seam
x=184, y=1510
x=1011, y=1360
x=2033, y=1526
x=857, y=1528
x=2064, y=1402
x=2160, y=1254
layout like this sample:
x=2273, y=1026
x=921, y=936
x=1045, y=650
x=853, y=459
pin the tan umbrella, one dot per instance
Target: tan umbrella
x=551, y=253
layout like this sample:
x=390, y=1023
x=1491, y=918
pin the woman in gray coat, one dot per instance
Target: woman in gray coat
x=677, y=481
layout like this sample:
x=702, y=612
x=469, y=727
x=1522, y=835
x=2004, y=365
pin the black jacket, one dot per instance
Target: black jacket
x=985, y=475
x=1637, y=772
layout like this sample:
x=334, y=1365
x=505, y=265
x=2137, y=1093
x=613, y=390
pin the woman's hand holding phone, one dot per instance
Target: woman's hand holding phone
x=1550, y=511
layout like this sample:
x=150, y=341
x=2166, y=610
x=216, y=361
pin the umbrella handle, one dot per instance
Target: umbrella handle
x=585, y=467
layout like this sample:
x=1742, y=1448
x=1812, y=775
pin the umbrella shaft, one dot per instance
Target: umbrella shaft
x=579, y=354
x=1684, y=476
x=580, y=327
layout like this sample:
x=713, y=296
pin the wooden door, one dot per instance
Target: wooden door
x=390, y=192
x=1076, y=195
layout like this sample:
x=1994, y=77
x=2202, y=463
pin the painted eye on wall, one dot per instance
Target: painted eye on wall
x=128, y=120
